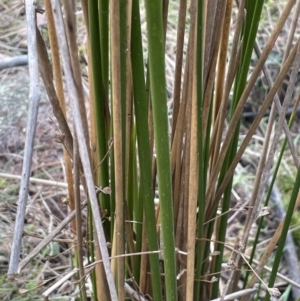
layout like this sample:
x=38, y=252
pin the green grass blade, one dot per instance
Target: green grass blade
x=160, y=115
x=141, y=114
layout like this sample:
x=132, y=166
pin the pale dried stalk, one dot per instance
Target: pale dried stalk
x=20, y=60
x=61, y=281
x=37, y=181
x=193, y=170
x=34, y=98
x=185, y=165
x=117, y=133
x=133, y=294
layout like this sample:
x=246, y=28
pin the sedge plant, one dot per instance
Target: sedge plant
x=157, y=166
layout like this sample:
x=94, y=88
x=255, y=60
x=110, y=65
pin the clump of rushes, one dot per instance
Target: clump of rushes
x=179, y=147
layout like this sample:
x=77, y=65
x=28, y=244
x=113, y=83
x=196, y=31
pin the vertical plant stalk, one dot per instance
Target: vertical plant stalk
x=128, y=111
x=209, y=74
x=202, y=149
x=178, y=127
x=57, y=75
x=70, y=24
x=193, y=165
x=126, y=100
x=222, y=85
x=193, y=198
x=211, y=10
x=223, y=50
x=117, y=133
x=165, y=6
x=103, y=12
x=47, y=76
x=78, y=217
x=232, y=66
x=84, y=5
x=178, y=63
x=144, y=259
x=221, y=224
x=176, y=153
x=146, y=197
x=160, y=116
x=83, y=148
x=99, y=141
x=99, y=283
x=99, y=133
x=34, y=99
